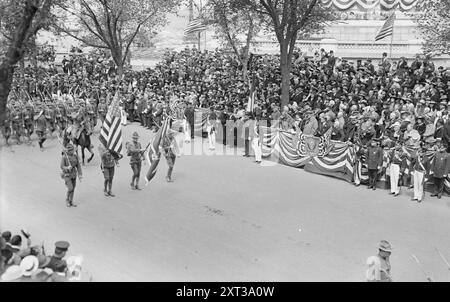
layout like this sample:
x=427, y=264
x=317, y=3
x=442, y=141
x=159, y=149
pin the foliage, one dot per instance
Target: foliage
x=114, y=24
x=433, y=19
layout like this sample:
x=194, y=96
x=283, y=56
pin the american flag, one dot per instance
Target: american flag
x=111, y=132
x=387, y=29
x=154, y=151
x=194, y=26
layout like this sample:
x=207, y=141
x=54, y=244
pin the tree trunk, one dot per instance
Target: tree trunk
x=6, y=76
x=120, y=70
x=244, y=69
x=285, y=67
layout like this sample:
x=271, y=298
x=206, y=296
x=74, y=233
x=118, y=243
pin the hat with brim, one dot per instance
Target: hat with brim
x=29, y=265
x=385, y=246
x=135, y=135
x=69, y=147
x=43, y=261
x=12, y=273
x=396, y=124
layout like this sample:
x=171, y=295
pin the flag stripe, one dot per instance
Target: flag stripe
x=111, y=132
x=387, y=29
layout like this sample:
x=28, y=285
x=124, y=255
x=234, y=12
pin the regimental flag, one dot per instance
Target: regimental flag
x=251, y=97
x=387, y=29
x=111, y=132
x=153, y=155
x=195, y=26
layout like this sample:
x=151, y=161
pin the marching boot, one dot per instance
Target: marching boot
x=137, y=182
x=110, y=186
x=105, y=190
x=169, y=175
x=133, y=187
x=67, y=203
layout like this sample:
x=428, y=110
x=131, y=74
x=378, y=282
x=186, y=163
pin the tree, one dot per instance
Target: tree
x=433, y=20
x=114, y=24
x=20, y=20
x=289, y=20
x=237, y=24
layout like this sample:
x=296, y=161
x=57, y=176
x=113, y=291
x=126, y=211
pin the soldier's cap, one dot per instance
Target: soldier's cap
x=69, y=147
x=62, y=245
x=135, y=135
x=385, y=246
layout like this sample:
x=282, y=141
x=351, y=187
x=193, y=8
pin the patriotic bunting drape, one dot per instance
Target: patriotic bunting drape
x=404, y=5
x=339, y=162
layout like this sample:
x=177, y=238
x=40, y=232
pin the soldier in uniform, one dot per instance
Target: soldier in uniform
x=17, y=122
x=108, y=166
x=91, y=115
x=61, y=117
x=379, y=265
x=6, y=129
x=50, y=116
x=134, y=150
x=170, y=150
x=70, y=166
x=420, y=165
x=102, y=110
x=41, y=125
x=439, y=169
x=374, y=161
x=396, y=160
x=28, y=117
x=61, y=248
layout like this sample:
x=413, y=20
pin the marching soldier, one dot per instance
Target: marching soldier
x=41, y=124
x=108, y=166
x=420, y=165
x=102, y=110
x=439, y=169
x=50, y=116
x=6, y=129
x=17, y=122
x=92, y=117
x=170, y=151
x=70, y=166
x=374, y=160
x=29, y=120
x=61, y=117
x=134, y=150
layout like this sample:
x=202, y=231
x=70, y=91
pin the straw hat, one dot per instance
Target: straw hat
x=385, y=246
x=29, y=265
x=12, y=273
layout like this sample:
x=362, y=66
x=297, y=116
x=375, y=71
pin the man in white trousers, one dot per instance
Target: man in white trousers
x=255, y=134
x=211, y=123
x=396, y=159
x=420, y=167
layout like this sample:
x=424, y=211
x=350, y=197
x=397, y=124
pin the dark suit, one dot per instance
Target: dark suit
x=374, y=159
x=55, y=262
x=440, y=168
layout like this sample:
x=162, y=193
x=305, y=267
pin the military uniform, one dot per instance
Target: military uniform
x=56, y=260
x=439, y=169
x=17, y=123
x=28, y=116
x=41, y=125
x=134, y=150
x=396, y=159
x=420, y=165
x=374, y=160
x=6, y=129
x=170, y=147
x=50, y=116
x=61, y=117
x=108, y=166
x=70, y=166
